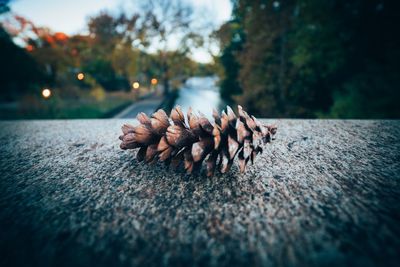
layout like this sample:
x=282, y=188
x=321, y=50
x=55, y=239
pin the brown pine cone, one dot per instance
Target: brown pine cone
x=175, y=141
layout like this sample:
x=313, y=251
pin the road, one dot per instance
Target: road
x=148, y=106
x=200, y=93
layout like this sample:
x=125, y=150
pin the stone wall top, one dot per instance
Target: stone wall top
x=325, y=192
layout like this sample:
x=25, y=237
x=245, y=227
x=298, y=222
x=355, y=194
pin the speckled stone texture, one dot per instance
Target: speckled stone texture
x=324, y=193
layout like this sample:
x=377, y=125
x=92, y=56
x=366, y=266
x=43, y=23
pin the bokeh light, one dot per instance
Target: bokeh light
x=46, y=93
x=154, y=81
x=136, y=85
x=276, y=4
x=80, y=76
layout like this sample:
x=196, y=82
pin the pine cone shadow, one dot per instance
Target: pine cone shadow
x=161, y=170
x=162, y=185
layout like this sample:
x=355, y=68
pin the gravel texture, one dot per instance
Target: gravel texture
x=325, y=192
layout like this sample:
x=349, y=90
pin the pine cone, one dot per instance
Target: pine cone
x=175, y=141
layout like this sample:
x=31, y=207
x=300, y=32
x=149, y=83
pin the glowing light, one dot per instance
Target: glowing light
x=60, y=36
x=135, y=85
x=80, y=76
x=29, y=48
x=154, y=81
x=46, y=93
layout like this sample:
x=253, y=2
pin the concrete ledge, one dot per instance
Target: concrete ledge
x=326, y=192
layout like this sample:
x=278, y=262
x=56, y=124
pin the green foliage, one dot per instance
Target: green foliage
x=172, y=22
x=4, y=8
x=111, y=57
x=232, y=39
x=104, y=73
x=35, y=107
x=19, y=72
x=368, y=96
x=309, y=58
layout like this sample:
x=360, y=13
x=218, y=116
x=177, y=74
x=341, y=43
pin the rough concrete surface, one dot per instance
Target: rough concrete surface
x=324, y=193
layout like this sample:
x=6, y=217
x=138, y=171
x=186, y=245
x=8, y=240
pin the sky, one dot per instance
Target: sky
x=71, y=16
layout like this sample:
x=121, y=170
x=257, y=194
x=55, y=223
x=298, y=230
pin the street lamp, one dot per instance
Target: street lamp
x=46, y=93
x=80, y=76
x=276, y=5
x=136, y=85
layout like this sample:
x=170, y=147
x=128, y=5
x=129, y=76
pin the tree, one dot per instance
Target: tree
x=309, y=58
x=372, y=77
x=20, y=73
x=231, y=39
x=113, y=59
x=170, y=23
x=263, y=59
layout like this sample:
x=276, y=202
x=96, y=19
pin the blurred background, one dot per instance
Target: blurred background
x=281, y=59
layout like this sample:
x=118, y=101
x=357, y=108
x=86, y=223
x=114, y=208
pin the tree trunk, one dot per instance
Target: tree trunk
x=166, y=86
x=165, y=79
